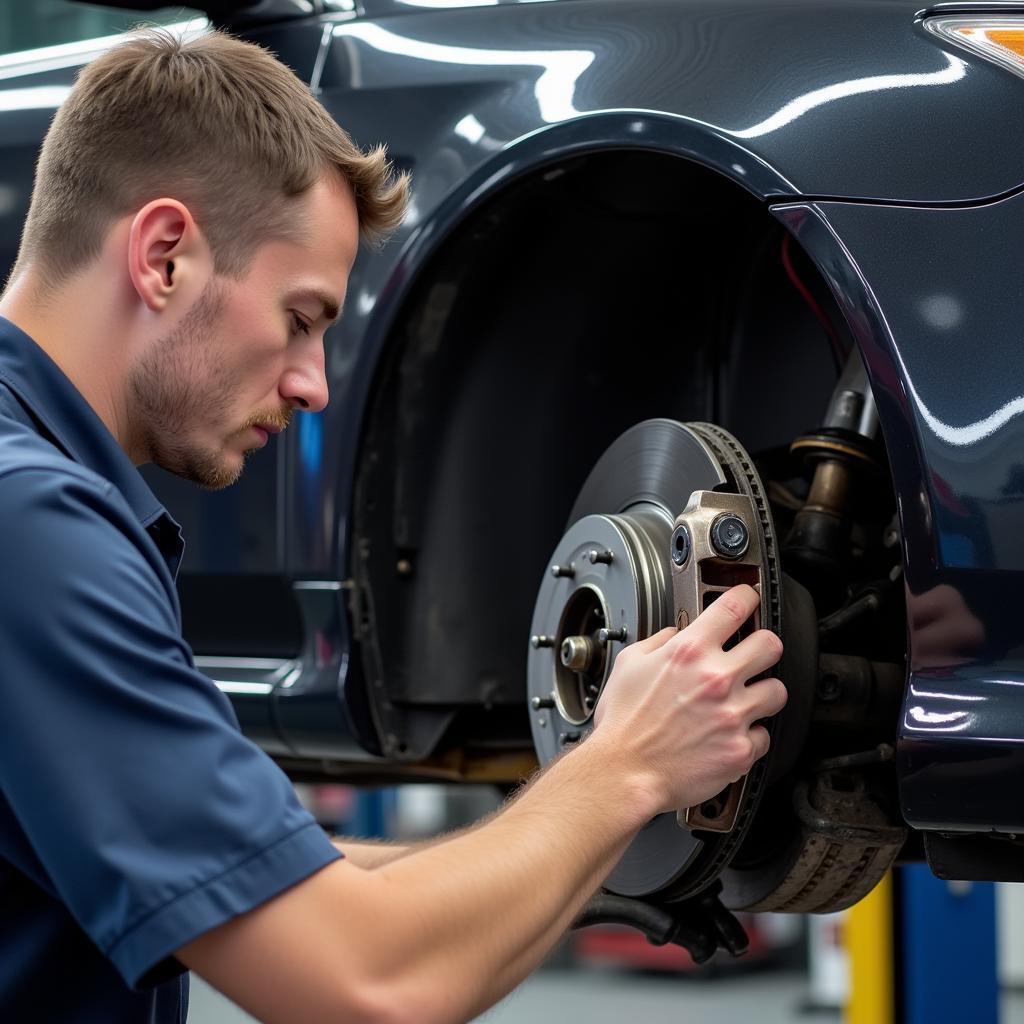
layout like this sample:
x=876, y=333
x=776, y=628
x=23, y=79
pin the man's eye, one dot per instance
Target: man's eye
x=298, y=324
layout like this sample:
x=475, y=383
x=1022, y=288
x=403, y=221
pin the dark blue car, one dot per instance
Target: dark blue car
x=690, y=293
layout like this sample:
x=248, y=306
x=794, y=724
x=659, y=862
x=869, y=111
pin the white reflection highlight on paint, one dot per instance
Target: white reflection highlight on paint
x=933, y=721
x=943, y=312
x=40, y=97
x=958, y=697
x=470, y=128
x=365, y=301
x=448, y=4
x=969, y=433
x=555, y=89
x=958, y=437
x=855, y=87
x=70, y=55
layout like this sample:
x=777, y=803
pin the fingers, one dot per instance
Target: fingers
x=764, y=698
x=651, y=643
x=724, y=617
x=756, y=653
x=760, y=740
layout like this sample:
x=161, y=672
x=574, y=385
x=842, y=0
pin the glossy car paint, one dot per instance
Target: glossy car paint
x=937, y=312
x=843, y=115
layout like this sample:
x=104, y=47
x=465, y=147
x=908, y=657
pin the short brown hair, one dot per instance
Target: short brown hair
x=216, y=122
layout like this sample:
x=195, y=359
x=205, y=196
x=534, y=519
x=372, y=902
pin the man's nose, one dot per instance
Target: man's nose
x=304, y=386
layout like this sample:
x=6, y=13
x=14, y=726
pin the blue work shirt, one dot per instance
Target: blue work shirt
x=134, y=815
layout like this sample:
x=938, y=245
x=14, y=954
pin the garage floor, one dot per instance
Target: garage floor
x=611, y=997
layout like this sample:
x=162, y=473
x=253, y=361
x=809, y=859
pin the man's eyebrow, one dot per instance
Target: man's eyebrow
x=331, y=309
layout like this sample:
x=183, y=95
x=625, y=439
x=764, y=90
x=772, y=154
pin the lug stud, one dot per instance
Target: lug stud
x=538, y=703
x=568, y=571
x=608, y=635
x=565, y=738
x=542, y=641
x=604, y=557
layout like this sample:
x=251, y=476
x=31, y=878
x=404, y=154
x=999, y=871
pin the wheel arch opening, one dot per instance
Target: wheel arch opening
x=596, y=292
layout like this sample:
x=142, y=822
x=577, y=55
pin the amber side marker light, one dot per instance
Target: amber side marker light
x=997, y=39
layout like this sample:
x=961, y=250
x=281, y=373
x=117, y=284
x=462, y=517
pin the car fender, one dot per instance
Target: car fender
x=931, y=299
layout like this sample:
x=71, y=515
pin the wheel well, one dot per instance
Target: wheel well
x=601, y=291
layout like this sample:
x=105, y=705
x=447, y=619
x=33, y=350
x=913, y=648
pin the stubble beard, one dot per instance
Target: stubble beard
x=180, y=385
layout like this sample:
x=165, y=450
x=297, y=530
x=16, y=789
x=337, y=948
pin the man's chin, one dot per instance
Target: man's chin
x=211, y=472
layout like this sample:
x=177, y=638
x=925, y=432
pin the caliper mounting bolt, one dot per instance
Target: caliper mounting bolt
x=563, y=570
x=608, y=635
x=680, y=545
x=729, y=535
x=604, y=557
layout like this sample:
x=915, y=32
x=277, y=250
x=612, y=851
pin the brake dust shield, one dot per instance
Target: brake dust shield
x=611, y=582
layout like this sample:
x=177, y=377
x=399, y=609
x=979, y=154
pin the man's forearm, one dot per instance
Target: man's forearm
x=482, y=909
x=375, y=853
x=370, y=853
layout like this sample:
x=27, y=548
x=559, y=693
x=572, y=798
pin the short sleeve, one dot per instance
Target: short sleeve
x=142, y=805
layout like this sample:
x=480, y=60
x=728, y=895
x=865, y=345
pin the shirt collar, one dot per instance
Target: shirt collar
x=49, y=395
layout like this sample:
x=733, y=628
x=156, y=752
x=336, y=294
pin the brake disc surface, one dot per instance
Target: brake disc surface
x=608, y=585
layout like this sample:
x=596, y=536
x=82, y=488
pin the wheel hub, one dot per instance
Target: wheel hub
x=606, y=587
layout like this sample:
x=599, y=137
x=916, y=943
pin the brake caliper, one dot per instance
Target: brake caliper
x=716, y=544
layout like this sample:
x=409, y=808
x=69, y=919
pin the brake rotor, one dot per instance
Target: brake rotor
x=609, y=584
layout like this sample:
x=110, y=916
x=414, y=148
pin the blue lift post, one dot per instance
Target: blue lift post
x=946, y=958
x=373, y=813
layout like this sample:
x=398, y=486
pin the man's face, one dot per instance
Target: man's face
x=249, y=352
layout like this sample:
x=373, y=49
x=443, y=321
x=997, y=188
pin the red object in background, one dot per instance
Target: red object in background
x=616, y=945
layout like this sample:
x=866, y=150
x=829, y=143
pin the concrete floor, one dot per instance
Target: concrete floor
x=612, y=997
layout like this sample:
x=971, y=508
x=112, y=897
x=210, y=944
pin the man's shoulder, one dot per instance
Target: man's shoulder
x=49, y=499
x=63, y=523
x=31, y=465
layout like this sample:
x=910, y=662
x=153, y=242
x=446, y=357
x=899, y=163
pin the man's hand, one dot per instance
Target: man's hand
x=677, y=705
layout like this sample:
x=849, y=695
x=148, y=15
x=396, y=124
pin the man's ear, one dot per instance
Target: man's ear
x=164, y=244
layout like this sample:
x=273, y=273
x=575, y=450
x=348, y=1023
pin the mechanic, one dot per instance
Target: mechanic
x=194, y=220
